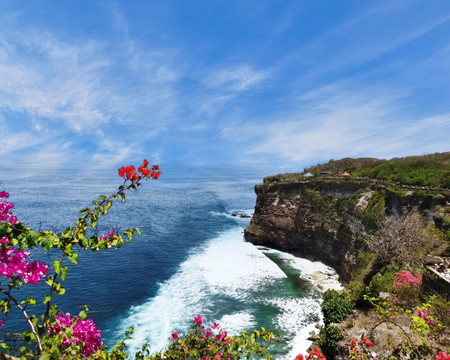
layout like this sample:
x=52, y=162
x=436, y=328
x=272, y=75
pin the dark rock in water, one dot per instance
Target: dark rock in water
x=245, y=216
x=233, y=214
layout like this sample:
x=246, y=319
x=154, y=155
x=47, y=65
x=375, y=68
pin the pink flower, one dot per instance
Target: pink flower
x=442, y=356
x=84, y=332
x=13, y=263
x=175, y=335
x=1, y=323
x=198, y=319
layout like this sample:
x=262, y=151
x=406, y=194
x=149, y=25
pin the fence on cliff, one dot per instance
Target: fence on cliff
x=435, y=282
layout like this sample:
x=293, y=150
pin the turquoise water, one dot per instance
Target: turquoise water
x=191, y=258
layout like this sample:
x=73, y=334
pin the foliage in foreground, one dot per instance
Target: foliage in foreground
x=58, y=335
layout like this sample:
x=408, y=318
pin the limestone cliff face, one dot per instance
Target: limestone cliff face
x=310, y=218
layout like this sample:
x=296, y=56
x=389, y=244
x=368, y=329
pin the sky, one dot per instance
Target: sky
x=273, y=84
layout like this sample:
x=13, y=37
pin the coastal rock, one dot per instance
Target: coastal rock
x=312, y=219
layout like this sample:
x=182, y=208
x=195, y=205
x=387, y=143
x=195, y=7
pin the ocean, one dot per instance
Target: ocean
x=191, y=258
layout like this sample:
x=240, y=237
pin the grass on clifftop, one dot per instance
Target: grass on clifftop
x=424, y=170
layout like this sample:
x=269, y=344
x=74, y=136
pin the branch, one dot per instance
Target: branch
x=27, y=318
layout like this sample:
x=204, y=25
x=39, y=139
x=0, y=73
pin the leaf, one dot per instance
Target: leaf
x=106, y=207
x=31, y=301
x=32, y=238
x=29, y=336
x=122, y=195
x=57, y=266
x=4, y=229
x=47, y=298
x=73, y=258
x=84, y=211
x=46, y=242
x=5, y=306
x=82, y=314
x=64, y=270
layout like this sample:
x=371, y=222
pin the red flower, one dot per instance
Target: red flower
x=145, y=163
x=299, y=357
x=367, y=342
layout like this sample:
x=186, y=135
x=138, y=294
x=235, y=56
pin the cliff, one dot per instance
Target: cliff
x=313, y=218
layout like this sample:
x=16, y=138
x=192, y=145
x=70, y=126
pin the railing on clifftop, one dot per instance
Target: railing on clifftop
x=435, y=282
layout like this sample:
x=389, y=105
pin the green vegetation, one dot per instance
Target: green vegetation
x=329, y=339
x=335, y=307
x=426, y=170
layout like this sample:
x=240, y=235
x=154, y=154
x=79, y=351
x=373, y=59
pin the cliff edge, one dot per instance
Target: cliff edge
x=314, y=217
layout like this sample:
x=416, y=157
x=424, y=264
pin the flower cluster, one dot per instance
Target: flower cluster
x=129, y=172
x=425, y=314
x=315, y=354
x=6, y=214
x=361, y=347
x=109, y=236
x=442, y=356
x=214, y=344
x=406, y=279
x=13, y=262
x=83, y=332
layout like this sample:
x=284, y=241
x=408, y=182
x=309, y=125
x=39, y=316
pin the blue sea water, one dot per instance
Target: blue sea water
x=191, y=258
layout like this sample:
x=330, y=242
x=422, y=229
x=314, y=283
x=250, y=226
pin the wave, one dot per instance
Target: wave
x=230, y=282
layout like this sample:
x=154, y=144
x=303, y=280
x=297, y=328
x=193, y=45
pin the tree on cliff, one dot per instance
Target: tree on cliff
x=404, y=239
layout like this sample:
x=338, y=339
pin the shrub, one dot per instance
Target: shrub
x=329, y=339
x=356, y=291
x=383, y=282
x=335, y=307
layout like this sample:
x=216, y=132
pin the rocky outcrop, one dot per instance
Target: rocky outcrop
x=311, y=218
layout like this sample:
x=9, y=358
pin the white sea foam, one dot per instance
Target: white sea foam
x=225, y=280
x=226, y=267
x=321, y=275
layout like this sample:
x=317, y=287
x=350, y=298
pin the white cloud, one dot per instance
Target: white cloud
x=334, y=122
x=238, y=78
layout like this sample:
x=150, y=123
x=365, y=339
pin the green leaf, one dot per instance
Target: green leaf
x=29, y=336
x=84, y=242
x=47, y=242
x=122, y=195
x=82, y=314
x=32, y=238
x=84, y=211
x=5, y=306
x=64, y=270
x=57, y=266
x=68, y=231
x=31, y=301
x=47, y=298
x=5, y=229
x=73, y=258
x=49, y=280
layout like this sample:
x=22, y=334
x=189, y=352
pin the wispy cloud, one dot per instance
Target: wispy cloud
x=237, y=78
x=335, y=121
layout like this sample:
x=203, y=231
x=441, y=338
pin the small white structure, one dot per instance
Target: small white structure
x=308, y=175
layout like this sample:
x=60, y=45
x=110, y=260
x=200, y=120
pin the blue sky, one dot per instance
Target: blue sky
x=256, y=84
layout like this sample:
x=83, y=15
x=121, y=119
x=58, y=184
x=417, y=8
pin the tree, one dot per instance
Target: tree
x=404, y=239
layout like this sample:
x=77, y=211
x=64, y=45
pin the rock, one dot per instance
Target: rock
x=314, y=219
